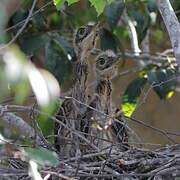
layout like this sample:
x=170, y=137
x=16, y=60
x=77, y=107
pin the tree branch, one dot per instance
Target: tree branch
x=133, y=37
x=17, y=124
x=172, y=25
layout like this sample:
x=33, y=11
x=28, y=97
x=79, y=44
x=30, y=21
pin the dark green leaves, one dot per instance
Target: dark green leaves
x=163, y=81
x=113, y=13
x=108, y=40
x=143, y=23
x=131, y=96
x=98, y=4
x=65, y=47
x=32, y=43
x=152, y=5
x=57, y=61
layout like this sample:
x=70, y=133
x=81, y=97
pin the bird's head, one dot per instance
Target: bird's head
x=82, y=33
x=105, y=62
x=85, y=37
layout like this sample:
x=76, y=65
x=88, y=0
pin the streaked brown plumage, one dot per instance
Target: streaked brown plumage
x=104, y=127
x=70, y=110
x=85, y=40
x=98, y=123
x=63, y=115
x=79, y=36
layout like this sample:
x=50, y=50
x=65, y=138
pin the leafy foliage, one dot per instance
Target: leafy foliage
x=57, y=61
x=113, y=13
x=32, y=43
x=131, y=96
x=108, y=40
x=99, y=5
x=163, y=81
x=59, y=3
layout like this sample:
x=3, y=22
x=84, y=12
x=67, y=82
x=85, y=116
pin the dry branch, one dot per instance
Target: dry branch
x=17, y=124
x=172, y=24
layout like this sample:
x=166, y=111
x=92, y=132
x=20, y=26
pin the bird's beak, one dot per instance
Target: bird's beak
x=97, y=27
x=114, y=59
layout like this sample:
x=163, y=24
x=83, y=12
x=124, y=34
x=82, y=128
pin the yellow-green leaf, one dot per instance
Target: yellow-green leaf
x=157, y=77
x=71, y=1
x=99, y=5
x=169, y=94
x=131, y=96
x=58, y=3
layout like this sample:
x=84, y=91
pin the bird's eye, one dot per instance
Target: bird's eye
x=82, y=31
x=101, y=61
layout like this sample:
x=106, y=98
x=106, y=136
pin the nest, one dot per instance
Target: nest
x=134, y=163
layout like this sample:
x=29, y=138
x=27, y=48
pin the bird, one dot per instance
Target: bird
x=85, y=39
x=70, y=112
x=100, y=125
x=97, y=123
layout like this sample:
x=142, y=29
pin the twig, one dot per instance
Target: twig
x=10, y=120
x=58, y=175
x=60, y=122
x=133, y=37
x=165, y=133
x=142, y=56
x=21, y=22
x=22, y=28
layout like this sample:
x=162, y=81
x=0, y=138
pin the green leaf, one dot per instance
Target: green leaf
x=66, y=48
x=26, y=3
x=113, y=13
x=57, y=62
x=108, y=40
x=72, y=1
x=152, y=5
x=99, y=5
x=163, y=81
x=39, y=22
x=131, y=96
x=19, y=16
x=59, y=3
x=32, y=43
x=40, y=156
x=45, y=123
x=21, y=90
x=143, y=23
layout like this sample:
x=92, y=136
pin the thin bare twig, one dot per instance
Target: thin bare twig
x=22, y=28
x=21, y=22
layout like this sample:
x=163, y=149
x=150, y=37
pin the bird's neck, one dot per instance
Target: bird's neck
x=102, y=76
